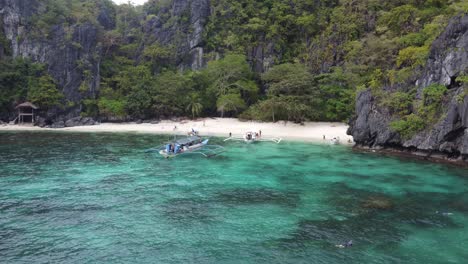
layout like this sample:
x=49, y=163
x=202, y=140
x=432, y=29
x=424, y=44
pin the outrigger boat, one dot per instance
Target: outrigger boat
x=189, y=145
x=251, y=137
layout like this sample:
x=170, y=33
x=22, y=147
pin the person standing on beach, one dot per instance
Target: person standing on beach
x=260, y=133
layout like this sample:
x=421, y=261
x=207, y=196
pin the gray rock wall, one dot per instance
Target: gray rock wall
x=71, y=54
x=183, y=28
x=448, y=137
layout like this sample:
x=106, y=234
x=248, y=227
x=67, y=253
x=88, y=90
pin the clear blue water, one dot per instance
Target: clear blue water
x=99, y=198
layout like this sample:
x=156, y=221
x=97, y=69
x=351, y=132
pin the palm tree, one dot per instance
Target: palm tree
x=194, y=106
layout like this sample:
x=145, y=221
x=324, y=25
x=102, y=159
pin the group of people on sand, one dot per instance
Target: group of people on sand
x=337, y=139
x=257, y=134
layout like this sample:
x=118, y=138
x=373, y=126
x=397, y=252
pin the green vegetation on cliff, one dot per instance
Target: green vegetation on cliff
x=21, y=79
x=269, y=60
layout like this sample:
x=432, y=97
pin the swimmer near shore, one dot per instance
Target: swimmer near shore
x=345, y=245
x=444, y=213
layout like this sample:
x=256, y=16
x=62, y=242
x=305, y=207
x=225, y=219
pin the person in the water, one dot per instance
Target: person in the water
x=345, y=245
x=444, y=213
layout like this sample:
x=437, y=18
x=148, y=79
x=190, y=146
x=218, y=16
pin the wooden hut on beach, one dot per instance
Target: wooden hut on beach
x=26, y=112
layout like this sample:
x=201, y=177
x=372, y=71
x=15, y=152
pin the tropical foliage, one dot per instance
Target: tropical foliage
x=315, y=56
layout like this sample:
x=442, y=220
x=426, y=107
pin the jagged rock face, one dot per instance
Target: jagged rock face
x=262, y=57
x=72, y=55
x=14, y=13
x=370, y=126
x=448, y=55
x=68, y=62
x=448, y=59
x=185, y=34
x=80, y=121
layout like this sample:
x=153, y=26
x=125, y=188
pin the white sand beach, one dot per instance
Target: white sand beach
x=221, y=127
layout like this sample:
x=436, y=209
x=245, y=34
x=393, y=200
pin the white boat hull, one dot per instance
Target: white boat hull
x=201, y=148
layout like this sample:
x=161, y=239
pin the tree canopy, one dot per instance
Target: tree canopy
x=268, y=60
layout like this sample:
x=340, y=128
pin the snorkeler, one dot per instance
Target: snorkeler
x=345, y=245
x=444, y=213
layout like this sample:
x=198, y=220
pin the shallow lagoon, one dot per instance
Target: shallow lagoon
x=99, y=198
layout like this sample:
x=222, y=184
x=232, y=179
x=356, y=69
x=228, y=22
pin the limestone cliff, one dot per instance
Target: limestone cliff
x=181, y=25
x=448, y=137
x=73, y=51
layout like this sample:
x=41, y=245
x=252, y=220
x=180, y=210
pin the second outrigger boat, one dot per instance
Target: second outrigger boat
x=251, y=137
x=189, y=145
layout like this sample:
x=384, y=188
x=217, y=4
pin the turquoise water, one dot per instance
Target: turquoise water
x=99, y=198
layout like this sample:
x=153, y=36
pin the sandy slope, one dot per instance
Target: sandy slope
x=310, y=131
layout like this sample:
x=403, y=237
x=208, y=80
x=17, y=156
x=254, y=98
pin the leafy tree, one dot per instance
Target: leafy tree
x=229, y=74
x=231, y=79
x=401, y=19
x=272, y=105
x=90, y=108
x=399, y=103
x=336, y=95
x=112, y=108
x=158, y=55
x=139, y=102
x=408, y=126
x=230, y=102
x=289, y=79
x=16, y=78
x=412, y=56
x=170, y=93
x=45, y=94
x=291, y=91
x=433, y=94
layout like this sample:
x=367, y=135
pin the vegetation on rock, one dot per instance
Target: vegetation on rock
x=314, y=57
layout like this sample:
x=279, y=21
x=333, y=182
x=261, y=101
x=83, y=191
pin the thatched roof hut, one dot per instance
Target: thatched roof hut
x=26, y=109
x=27, y=105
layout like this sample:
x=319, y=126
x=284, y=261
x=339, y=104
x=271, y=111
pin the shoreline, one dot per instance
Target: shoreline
x=437, y=158
x=217, y=127
x=311, y=132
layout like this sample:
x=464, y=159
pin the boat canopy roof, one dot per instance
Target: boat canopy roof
x=187, y=140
